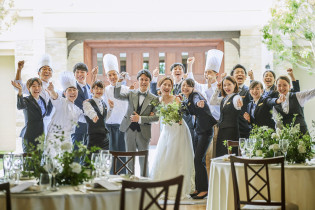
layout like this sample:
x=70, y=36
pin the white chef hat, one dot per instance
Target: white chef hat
x=110, y=63
x=214, y=59
x=44, y=61
x=67, y=80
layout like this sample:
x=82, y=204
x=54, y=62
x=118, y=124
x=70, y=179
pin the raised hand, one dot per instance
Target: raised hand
x=251, y=74
x=18, y=86
x=20, y=65
x=134, y=117
x=239, y=102
x=246, y=116
x=223, y=75
x=190, y=60
x=156, y=72
x=291, y=74
x=51, y=90
x=201, y=103
x=95, y=119
x=132, y=87
x=219, y=85
x=281, y=99
x=50, y=87
x=94, y=71
x=111, y=103
x=185, y=76
x=122, y=76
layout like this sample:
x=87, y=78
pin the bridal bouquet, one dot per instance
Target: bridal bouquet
x=170, y=113
x=268, y=142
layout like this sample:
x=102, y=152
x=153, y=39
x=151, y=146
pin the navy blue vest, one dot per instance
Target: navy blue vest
x=99, y=126
x=135, y=125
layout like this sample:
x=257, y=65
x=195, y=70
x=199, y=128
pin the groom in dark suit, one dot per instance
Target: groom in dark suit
x=137, y=120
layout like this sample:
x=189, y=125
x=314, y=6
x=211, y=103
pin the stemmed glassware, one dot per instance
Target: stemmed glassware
x=284, y=145
x=250, y=145
x=97, y=163
x=17, y=166
x=107, y=160
x=242, y=145
x=53, y=169
x=7, y=165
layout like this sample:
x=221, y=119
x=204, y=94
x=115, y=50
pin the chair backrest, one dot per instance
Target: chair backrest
x=257, y=166
x=232, y=144
x=160, y=186
x=130, y=160
x=6, y=187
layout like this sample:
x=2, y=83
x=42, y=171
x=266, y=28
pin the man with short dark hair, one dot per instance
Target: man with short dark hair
x=140, y=114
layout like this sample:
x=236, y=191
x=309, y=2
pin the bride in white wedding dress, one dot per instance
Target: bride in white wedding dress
x=174, y=152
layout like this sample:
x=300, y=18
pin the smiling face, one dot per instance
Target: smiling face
x=35, y=89
x=97, y=91
x=112, y=77
x=239, y=75
x=228, y=86
x=211, y=75
x=71, y=94
x=256, y=92
x=269, y=79
x=144, y=82
x=187, y=89
x=177, y=73
x=166, y=87
x=80, y=76
x=45, y=73
x=283, y=87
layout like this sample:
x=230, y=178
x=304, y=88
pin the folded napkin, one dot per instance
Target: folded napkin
x=21, y=187
x=107, y=185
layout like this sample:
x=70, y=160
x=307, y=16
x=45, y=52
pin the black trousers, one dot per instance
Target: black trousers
x=99, y=140
x=202, y=141
x=231, y=133
x=117, y=143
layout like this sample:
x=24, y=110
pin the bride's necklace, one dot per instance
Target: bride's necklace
x=167, y=99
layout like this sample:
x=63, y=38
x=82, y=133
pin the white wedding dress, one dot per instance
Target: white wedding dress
x=174, y=157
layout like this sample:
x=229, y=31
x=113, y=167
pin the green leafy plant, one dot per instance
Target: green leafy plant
x=299, y=144
x=170, y=113
x=290, y=34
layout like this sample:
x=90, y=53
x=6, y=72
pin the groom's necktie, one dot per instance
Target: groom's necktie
x=86, y=95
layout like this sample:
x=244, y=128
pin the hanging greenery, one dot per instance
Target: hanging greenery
x=8, y=17
x=290, y=34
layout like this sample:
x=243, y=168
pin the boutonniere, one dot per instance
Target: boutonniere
x=228, y=103
x=260, y=104
x=189, y=104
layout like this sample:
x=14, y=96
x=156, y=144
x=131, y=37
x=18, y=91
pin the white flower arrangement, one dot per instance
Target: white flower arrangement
x=75, y=167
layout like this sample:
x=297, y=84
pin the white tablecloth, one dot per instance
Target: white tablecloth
x=66, y=198
x=299, y=185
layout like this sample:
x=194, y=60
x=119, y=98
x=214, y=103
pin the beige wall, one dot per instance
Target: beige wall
x=8, y=105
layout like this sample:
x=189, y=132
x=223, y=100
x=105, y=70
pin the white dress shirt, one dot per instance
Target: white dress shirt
x=91, y=113
x=207, y=93
x=120, y=107
x=216, y=100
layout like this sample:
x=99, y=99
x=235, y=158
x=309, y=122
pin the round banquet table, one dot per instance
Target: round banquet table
x=69, y=198
x=299, y=185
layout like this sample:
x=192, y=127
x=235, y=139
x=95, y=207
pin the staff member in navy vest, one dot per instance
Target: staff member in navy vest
x=230, y=107
x=34, y=109
x=259, y=109
x=80, y=71
x=197, y=105
x=239, y=73
x=96, y=113
x=292, y=104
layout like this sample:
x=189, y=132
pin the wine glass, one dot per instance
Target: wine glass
x=7, y=164
x=96, y=162
x=107, y=163
x=242, y=145
x=17, y=166
x=52, y=168
x=284, y=145
x=250, y=144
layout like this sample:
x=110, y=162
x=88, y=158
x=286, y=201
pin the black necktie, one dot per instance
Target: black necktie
x=142, y=94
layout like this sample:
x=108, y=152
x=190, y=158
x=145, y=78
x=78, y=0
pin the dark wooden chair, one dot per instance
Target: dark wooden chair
x=145, y=189
x=258, y=166
x=6, y=187
x=129, y=161
x=233, y=144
